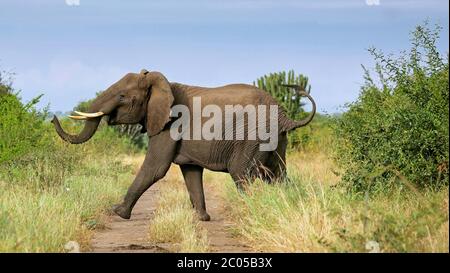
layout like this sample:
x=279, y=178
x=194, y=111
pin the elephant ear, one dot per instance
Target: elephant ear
x=159, y=103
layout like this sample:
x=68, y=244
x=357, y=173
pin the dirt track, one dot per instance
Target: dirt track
x=131, y=235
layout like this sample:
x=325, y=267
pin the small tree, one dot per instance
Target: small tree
x=21, y=125
x=398, y=127
x=287, y=97
x=5, y=83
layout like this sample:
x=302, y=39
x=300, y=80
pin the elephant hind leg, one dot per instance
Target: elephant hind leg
x=249, y=163
x=280, y=157
x=194, y=182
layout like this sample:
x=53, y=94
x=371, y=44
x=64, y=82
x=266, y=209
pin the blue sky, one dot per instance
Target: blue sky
x=69, y=52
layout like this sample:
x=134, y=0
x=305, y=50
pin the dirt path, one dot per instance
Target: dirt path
x=122, y=235
x=131, y=235
x=219, y=236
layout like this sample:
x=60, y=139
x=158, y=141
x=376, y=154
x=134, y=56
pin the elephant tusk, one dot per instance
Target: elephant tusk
x=77, y=117
x=90, y=115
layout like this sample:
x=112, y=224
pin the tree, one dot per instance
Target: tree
x=287, y=97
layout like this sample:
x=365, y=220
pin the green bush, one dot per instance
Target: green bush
x=51, y=191
x=398, y=127
x=5, y=83
x=33, y=155
x=21, y=126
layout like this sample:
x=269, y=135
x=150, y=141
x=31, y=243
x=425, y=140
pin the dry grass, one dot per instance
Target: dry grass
x=133, y=161
x=310, y=215
x=58, y=192
x=315, y=166
x=43, y=220
x=175, y=220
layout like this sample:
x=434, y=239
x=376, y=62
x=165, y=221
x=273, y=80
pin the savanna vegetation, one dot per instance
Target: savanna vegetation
x=175, y=222
x=52, y=192
x=372, y=179
x=397, y=129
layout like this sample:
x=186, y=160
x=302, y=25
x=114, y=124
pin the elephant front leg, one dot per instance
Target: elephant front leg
x=161, y=149
x=194, y=182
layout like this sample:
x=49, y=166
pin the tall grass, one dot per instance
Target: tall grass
x=57, y=193
x=175, y=221
x=306, y=214
x=43, y=221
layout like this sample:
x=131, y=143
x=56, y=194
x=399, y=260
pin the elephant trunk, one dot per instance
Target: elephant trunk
x=88, y=131
x=102, y=105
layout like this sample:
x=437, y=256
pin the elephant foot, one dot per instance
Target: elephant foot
x=121, y=211
x=203, y=216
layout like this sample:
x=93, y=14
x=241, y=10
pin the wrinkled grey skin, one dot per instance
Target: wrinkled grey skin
x=147, y=97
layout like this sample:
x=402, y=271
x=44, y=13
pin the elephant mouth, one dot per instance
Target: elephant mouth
x=112, y=118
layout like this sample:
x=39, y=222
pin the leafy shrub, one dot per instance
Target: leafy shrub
x=21, y=125
x=31, y=153
x=5, y=83
x=398, y=127
x=51, y=191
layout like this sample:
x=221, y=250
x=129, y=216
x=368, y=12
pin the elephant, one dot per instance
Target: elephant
x=147, y=98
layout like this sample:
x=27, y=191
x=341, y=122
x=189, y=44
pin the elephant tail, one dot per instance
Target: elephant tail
x=287, y=124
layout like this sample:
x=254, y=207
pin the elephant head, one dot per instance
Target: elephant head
x=144, y=97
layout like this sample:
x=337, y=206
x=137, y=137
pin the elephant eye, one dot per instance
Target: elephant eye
x=121, y=97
